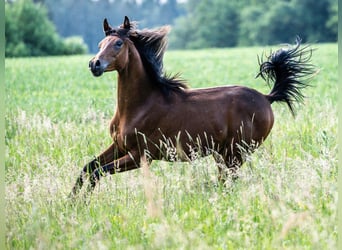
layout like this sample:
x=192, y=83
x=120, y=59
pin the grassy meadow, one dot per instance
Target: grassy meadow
x=57, y=116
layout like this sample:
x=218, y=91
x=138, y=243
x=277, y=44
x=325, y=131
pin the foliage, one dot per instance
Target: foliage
x=74, y=45
x=57, y=119
x=210, y=28
x=29, y=32
x=221, y=23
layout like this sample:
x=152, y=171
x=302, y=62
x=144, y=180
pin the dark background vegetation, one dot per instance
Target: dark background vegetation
x=64, y=27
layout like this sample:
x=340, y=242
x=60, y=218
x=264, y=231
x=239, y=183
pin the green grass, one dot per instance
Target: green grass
x=57, y=118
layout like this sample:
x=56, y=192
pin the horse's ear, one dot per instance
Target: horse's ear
x=106, y=26
x=126, y=23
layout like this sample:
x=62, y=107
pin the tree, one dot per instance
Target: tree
x=220, y=23
x=215, y=28
x=29, y=32
x=332, y=22
x=250, y=18
x=280, y=24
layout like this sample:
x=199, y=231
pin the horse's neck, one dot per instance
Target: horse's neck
x=134, y=86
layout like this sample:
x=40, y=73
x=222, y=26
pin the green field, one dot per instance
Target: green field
x=57, y=117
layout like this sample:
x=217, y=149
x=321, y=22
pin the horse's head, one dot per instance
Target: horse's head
x=113, y=49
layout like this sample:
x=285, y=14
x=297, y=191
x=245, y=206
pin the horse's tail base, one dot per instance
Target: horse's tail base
x=288, y=69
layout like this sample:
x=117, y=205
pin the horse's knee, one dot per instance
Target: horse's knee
x=91, y=166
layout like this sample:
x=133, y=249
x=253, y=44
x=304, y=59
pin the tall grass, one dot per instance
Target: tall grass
x=57, y=119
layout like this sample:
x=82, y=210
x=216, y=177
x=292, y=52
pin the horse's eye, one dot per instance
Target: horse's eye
x=118, y=44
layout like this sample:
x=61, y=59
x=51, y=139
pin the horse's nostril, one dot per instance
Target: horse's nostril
x=97, y=63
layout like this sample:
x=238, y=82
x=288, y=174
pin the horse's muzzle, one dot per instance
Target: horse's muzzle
x=96, y=68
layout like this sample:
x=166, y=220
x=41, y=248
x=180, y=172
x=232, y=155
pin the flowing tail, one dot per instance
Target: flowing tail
x=288, y=69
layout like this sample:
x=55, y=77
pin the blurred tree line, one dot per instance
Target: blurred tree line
x=85, y=17
x=221, y=23
x=40, y=28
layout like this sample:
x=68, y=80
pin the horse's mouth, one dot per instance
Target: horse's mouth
x=96, y=68
x=96, y=72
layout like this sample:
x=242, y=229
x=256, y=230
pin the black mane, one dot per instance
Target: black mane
x=151, y=45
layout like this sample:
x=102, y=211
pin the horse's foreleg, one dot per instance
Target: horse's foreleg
x=88, y=168
x=125, y=163
x=109, y=155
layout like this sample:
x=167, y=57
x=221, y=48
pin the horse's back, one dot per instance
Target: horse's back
x=244, y=110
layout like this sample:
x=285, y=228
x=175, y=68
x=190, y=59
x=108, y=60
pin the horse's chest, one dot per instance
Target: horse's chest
x=124, y=136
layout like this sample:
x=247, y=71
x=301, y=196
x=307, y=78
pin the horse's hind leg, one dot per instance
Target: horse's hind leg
x=109, y=155
x=228, y=165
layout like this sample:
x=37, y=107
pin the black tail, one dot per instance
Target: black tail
x=288, y=68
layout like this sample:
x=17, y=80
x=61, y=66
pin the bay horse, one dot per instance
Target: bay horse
x=157, y=116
